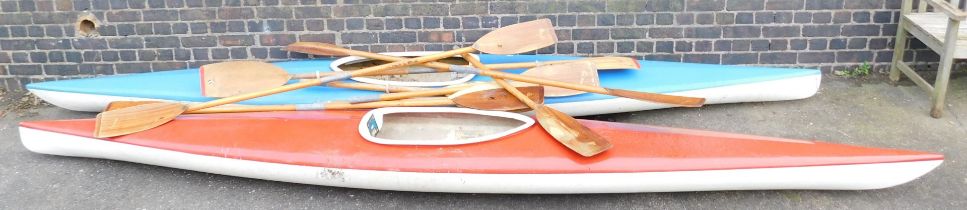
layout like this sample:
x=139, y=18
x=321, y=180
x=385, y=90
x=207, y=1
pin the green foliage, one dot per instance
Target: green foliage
x=859, y=71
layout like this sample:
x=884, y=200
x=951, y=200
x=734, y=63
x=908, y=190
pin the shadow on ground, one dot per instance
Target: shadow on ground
x=867, y=112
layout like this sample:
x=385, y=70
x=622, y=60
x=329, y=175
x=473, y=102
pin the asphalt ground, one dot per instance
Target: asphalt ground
x=869, y=112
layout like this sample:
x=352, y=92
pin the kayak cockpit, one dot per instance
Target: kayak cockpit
x=420, y=79
x=438, y=125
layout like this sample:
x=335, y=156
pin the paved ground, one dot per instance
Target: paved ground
x=871, y=113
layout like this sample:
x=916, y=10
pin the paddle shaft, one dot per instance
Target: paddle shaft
x=304, y=84
x=408, y=94
x=501, y=66
x=327, y=106
x=374, y=87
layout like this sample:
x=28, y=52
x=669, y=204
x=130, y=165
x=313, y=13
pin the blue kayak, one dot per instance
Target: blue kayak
x=716, y=83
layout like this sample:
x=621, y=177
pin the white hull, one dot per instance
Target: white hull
x=775, y=90
x=840, y=177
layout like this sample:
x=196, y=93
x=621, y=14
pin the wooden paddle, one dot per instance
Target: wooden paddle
x=601, y=63
x=565, y=129
x=237, y=77
x=644, y=96
x=412, y=94
x=608, y=63
x=578, y=72
x=484, y=97
x=512, y=39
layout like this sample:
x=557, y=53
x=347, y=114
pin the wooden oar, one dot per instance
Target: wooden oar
x=608, y=63
x=412, y=94
x=484, y=97
x=578, y=72
x=517, y=38
x=601, y=63
x=565, y=129
x=373, y=87
x=644, y=96
x=237, y=77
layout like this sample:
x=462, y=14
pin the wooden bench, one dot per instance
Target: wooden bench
x=939, y=29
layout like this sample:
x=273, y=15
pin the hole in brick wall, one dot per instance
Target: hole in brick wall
x=86, y=26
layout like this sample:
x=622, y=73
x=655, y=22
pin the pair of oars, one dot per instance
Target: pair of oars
x=517, y=38
x=563, y=73
x=601, y=63
x=237, y=77
x=581, y=72
x=484, y=96
x=332, y=50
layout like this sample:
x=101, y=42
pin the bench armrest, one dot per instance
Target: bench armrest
x=948, y=9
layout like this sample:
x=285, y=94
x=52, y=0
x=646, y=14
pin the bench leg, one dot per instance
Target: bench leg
x=940, y=87
x=899, y=47
x=946, y=64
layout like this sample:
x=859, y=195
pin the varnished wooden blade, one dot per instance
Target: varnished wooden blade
x=660, y=98
x=562, y=127
x=577, y=72
x=493, y=97
x=114, y=105
x=236, y=77
x=315, y=48
x=136, y=118
x=570, y=132
x=518, y=38
x=609, y=63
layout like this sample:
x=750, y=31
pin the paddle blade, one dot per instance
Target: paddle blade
x=136, y=118
x=570, y=132
x=114, y=105
x=236, y=77
x=518, y=38
x=609, y=63
x=316, y=48
x=578, y=72
x=493, y=97
x=660, y=98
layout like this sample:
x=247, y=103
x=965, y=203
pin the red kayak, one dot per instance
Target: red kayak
x=447, y=150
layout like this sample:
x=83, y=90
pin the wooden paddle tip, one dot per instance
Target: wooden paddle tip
x=135, y=119
x=518, y=38
x=237, y=77
x=575, y=72
x=571, y=133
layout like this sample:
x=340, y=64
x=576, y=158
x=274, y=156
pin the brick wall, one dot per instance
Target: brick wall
x=38, y=39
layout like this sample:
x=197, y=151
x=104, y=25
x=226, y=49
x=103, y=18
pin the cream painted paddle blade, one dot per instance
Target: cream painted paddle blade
x=493, y=97
x=518, y=38
x=136, y=118
x=577, y=72
x=236, y=77
x=609, y=63
x=315, y=48
x=571, y=133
